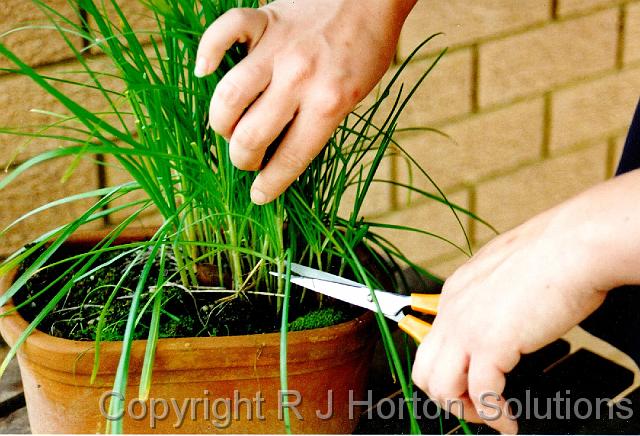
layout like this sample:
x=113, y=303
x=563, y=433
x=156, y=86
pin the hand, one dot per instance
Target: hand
x=309, y=64
x=524, y=290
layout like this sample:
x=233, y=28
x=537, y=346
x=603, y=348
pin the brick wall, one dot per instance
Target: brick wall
x=49, y=53
x=534, y=95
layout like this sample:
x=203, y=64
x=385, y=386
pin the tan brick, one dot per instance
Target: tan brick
x=37, y=187
x=115, y=174
x=35, y=46
x=594, y=109
x=445, y=93
x=378, y=200
x=464, y=22
x=138, y=16
x=478, y=146
x=538, y=60
x=512, y=199
x=23, y=96
x=567, y=7
x=429, y=216
x=632, y=33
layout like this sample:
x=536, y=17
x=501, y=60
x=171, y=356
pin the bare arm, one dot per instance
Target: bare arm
x=525, y=289
x=310, y=63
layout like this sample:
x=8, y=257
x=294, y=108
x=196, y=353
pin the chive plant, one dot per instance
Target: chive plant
x=155, y=127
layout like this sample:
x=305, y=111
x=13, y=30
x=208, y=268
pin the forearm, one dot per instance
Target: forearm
x=607, y=230
x=382, y=19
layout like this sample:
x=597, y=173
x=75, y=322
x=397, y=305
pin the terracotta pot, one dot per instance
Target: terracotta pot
x=200, y=385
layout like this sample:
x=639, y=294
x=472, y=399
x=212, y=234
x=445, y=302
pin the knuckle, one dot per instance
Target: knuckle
x=242, y=160
x=228, y=93
x=246, y=138
x=441, y=392
x=333, y=101
x=245, y=149
x=218, y=123
x=238, y=16
x=255, y=69
x=293, y=160
x=298, y=67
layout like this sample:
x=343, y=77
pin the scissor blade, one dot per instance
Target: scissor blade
x=391, y=305
x=312, y=273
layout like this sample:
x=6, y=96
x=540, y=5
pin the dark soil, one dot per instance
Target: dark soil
x=184, y=313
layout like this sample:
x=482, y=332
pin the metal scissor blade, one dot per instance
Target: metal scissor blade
x=391, y=305
x=312, y=273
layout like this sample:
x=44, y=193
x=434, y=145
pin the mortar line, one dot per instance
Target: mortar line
x=599, y=75
x=475, y=78
x=620, y=44
x=545, y=148
x=84, y=16
x=472, y=225
x=554, y=10
x=458, y=188
x=393, y=189
x=47, y=64
x=537, y=25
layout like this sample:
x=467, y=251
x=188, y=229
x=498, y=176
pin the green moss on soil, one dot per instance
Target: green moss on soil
x=324, y=317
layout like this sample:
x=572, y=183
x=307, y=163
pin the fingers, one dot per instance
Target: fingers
x=304, y=139
x=261, y=125
x=242, y=85
x=236, y=91
x=448, y=384
x=243, y=25
x=442, y=374
x=486, y=384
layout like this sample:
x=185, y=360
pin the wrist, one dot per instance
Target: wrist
x=403, y=7
x=605, y=226
x=394, y=12
x=400, y=10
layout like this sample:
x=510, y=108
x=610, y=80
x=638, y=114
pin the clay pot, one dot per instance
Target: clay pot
x=200, y=385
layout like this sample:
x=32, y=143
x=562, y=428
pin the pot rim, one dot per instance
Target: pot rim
x=38, y=337
x=42, y=346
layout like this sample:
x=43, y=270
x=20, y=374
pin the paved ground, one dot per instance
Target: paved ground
x=16, y=423
x=13, y=414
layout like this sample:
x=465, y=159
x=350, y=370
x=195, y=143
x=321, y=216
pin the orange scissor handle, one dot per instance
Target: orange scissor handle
x=425, y=303
x=414, y=327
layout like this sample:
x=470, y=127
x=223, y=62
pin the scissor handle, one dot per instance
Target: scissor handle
x=414, y=327
x=425, y=303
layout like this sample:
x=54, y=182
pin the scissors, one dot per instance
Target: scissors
x=392, y=305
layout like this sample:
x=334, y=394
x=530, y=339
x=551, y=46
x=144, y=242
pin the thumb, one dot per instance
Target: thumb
x=243, y=25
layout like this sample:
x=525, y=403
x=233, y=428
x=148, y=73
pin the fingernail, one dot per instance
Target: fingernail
x=202, y=67
x=258, y=197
